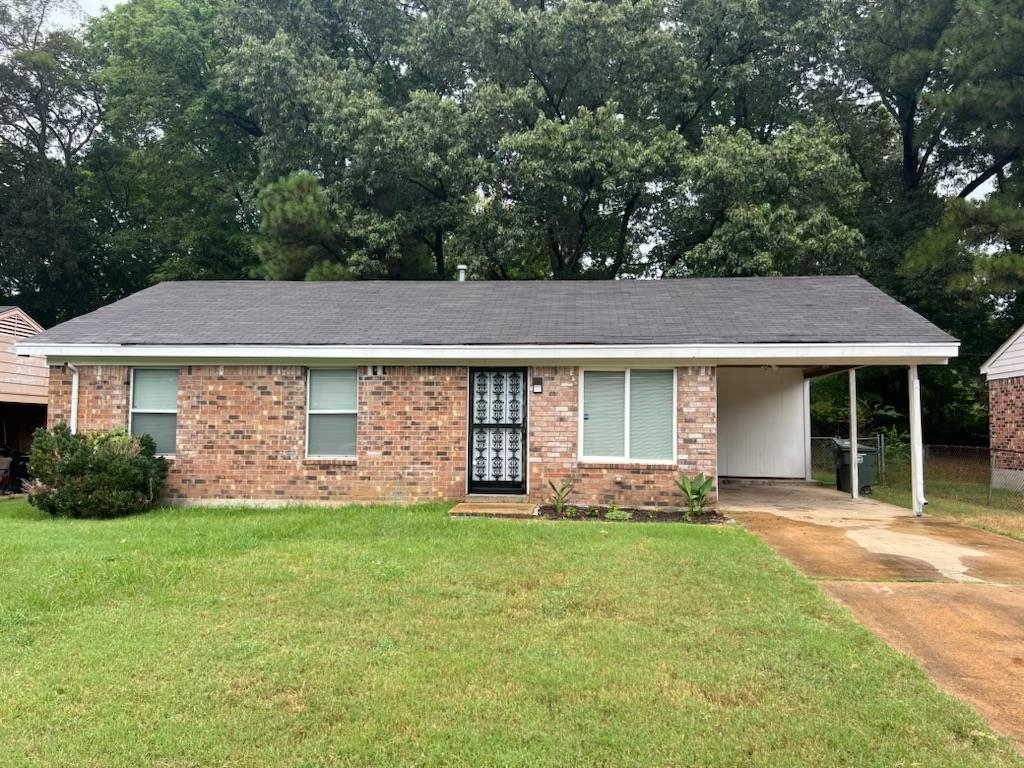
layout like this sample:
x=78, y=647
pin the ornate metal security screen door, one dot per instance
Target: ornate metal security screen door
x=497, y=430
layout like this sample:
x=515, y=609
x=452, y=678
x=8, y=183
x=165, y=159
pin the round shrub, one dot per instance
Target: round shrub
x=101, y=475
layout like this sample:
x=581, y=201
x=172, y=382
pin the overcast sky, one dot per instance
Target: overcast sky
x=93, y=7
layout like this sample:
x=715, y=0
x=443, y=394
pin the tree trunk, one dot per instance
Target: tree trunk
x=438, y=249
x=910, y=175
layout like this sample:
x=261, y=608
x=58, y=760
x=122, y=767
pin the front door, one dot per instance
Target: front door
x=497, y=430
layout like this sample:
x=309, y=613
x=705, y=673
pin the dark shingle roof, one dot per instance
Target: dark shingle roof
x=684, y=311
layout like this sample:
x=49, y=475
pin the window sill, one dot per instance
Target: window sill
x=628, y=464
x=351, y=460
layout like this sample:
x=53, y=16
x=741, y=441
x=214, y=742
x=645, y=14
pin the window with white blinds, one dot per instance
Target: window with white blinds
x=154, y=408
x=629, y=415
x=331, y=413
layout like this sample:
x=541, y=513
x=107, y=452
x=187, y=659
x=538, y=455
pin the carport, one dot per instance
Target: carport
x=764, y=419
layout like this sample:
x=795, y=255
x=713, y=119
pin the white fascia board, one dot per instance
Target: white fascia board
x=1003, y=375
x=565, y=354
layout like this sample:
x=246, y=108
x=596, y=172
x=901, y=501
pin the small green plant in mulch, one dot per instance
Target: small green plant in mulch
x=695, y=491
x=561, y=494
x=617, y=515
x=570, y=511
x=593, y=511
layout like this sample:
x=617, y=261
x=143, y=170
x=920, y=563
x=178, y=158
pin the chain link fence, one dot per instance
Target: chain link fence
x=970, y=474
x=1006, y=484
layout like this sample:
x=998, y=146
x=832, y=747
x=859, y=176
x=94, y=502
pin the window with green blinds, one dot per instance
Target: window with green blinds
x=331, y=416
x=154, y=408
x=629, y=415
x=650, y=415
x=604, y=413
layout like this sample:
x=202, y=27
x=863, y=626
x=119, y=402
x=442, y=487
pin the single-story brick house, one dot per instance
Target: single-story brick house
x=1004, y=371
x=264, y=391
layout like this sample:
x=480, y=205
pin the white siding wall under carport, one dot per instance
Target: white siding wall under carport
x=762, y=423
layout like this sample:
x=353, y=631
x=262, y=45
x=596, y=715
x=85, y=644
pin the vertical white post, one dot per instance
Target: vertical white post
x=73, y=420
x=808, y=475
x=854, y=469
x=916, y=444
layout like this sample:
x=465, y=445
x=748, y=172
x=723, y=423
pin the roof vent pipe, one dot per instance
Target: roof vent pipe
x=461, y=269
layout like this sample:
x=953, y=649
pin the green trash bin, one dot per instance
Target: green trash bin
x=867, y=466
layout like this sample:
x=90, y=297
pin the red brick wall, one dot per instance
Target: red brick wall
x=59, y=404
x=698, y=420
x=554, y=438
x=241, y=432
x=102, y=397
x=241, y=435
x=1006, y=422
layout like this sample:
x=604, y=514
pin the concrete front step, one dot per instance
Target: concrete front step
x=497, y=498
x=517, y=510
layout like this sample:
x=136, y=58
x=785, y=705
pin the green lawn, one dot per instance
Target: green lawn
x=376, y=637
x=958, y=487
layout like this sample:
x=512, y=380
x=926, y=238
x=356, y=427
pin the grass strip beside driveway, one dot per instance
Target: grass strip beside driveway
x=398, y=636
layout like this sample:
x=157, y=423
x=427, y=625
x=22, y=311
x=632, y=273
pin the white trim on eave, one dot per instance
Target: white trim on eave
x=859, y=353
x=994, y=357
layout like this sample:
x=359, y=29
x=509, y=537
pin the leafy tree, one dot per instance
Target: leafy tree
x=986, y=105
x=298, y=234
x=751, y=63
x=582, y=192
x=751, y=208
x=50, y=108
x=173, y=176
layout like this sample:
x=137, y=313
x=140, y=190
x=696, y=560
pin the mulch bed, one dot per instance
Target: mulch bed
x=639, y=515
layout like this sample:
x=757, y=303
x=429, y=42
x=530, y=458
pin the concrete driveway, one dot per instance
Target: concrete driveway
x=949, y=595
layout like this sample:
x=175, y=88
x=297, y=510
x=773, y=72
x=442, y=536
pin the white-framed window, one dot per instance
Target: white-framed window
x=331, y=413
x=154, y=407
x=628, y=415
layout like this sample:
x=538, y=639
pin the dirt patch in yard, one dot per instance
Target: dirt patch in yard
x=968, y=637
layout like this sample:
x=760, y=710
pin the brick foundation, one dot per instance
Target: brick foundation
x=241, y=435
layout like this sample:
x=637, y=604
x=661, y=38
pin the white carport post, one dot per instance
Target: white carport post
x=917, y=499
x=808, y=465
x=854, y=469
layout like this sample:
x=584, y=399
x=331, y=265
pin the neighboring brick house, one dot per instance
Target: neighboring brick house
x=1005, y=374
x=404, y=391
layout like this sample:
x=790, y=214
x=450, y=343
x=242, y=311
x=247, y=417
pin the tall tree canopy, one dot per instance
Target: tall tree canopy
x=353, y=139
